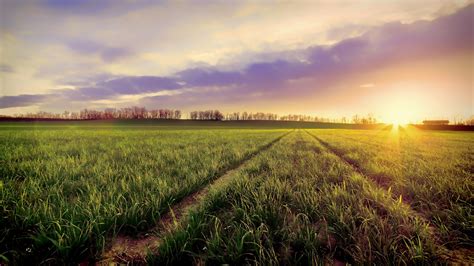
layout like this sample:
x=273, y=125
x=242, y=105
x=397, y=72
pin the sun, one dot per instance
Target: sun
x=397, y=123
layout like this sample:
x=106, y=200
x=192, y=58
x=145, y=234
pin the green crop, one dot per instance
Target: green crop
x=305, y=196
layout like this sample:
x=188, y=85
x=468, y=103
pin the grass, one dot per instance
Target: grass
x=432, y=171
x=64, y=191
x=351, y=196
x=298, y=204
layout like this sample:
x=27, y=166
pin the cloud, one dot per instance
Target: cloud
x=121, y=86
x=143, y=84
x=93, y=7
x=107, y=53
x=75, y=4
x=85, y=47
x=111, y=54
x=382, y=46
x=85, y=80
x=197, y=77
x=367, y=85
x=6, y=68
x=345, y=31
x=22, y=100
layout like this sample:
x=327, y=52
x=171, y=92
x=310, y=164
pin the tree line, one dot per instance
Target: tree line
x=206, y=115
x=136, y=112
x=108, y=113
x=357, y=119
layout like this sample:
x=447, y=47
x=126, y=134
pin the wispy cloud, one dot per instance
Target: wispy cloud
x=367, y=85
x=6, y=68
x=22, y=100
x=107, y=53
x=267, y=73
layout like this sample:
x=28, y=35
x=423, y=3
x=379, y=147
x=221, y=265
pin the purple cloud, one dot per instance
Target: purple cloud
x=138, y=85
x=6, y=68
x=84, y=47
x=111, y=54
x=107, y=53
x=78, y=6
x=22, y=100
x=94, y=7
x=382, y=46
x=120, y=86
x=86, y=93
x=197, y=77
x=86, y=80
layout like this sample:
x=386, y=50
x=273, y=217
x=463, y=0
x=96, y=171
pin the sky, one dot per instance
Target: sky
x=401, y=61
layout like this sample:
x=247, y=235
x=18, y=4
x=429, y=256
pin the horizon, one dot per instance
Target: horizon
x=152, y=114
x=331, y=59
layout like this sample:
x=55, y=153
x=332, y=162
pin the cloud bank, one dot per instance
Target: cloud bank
x=321, y=66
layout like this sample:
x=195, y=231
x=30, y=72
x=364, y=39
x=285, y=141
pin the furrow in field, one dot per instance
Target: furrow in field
x=353, y=164
x=376, y=179
x=128, y=249
x=449, y=255
x=299, y=204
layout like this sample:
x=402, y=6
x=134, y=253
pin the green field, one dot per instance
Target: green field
x=292, y=194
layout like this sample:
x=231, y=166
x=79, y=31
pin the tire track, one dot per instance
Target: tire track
x=380, y=180
x=126, y=249
x=450, y=256
x=374, y=178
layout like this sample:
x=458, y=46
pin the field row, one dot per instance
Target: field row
x=298, y=203
x=65, y=192
x=433, y=172
x=305, y=196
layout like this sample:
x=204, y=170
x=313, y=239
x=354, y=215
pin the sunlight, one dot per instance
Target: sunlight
x=395, y=127
x=397, y=123
x=405, y=104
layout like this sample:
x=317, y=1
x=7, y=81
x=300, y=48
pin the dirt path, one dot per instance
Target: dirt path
x=451, y=256
x=127, y=249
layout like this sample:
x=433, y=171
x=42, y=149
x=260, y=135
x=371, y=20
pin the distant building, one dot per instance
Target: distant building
x=435, y=122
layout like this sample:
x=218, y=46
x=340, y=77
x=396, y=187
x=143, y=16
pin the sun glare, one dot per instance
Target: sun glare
x=397, y=123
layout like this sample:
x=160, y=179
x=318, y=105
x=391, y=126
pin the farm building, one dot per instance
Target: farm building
x=435, y=122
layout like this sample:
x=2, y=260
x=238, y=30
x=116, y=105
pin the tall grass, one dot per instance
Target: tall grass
x=299, y=204
x=432, y=171
x=65, y=191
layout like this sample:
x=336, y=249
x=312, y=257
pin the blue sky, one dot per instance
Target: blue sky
x=405, y=60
